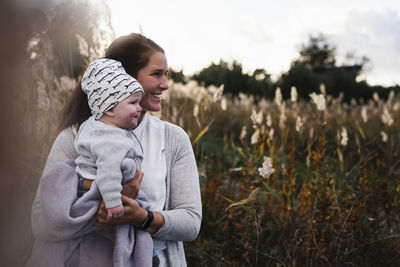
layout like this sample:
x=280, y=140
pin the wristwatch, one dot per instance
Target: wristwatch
x=148, y=221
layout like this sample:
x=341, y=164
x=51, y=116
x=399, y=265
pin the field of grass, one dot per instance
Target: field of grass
x=331, y=196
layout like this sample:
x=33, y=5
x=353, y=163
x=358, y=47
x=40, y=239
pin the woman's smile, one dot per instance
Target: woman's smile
x=153, y=80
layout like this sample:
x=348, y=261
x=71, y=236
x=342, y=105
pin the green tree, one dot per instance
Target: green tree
x=234, y=80
x=177, y=76
x=318, y=52
x=316, y=65
x=302, y=77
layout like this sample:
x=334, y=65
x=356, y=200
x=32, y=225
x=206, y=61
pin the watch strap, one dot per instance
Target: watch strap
x=148, y=221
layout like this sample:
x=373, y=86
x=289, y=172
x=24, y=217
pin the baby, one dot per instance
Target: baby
x=104, y=139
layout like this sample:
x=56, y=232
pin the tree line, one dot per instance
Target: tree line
x=315, y=65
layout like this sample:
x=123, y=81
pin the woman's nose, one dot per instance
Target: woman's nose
x=164, y=83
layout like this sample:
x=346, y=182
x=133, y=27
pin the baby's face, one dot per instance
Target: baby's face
x=127, y=112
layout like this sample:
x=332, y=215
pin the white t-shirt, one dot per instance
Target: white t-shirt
x=150, y=133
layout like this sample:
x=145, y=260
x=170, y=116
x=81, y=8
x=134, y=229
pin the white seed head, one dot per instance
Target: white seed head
x=243, y=133
x=364, y=114
x=322, y=88
x=318, y=100
x=256, y=118
x=196, y=110
x=384, y=136
x=375, y=96
x=224, y=104
x=386, y=117
x=344, y=138
x=218, y=93
x=299, y=124
x=255, y=137
x=271, y=134
x=278, y=96
x=266, y=170
x=293, y=94
x=269, y=120
x=282, y=117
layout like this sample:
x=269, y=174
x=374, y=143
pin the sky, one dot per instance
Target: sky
x=266, y=34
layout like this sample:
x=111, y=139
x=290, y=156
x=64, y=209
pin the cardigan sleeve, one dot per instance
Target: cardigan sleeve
x=61, y=150
x=183, y=211
x=109, y=150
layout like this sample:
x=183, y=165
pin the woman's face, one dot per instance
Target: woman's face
x=153, y=80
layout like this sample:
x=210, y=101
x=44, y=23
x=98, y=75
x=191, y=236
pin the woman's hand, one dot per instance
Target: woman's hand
x=131, y=189
x=131, y=208
x=133, y=214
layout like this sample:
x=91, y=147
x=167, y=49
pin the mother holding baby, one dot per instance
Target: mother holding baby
x=168, y=176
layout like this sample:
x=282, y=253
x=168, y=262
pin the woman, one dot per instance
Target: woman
x=170, y=173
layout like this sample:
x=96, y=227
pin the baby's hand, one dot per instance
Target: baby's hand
x=115, y=212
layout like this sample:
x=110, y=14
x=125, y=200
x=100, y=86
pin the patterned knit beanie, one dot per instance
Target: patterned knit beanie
x=106, y=84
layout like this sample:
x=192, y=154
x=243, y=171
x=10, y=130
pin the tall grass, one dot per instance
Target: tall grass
x=333, y=198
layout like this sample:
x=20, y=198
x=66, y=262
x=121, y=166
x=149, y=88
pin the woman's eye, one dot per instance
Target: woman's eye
x=157, y=74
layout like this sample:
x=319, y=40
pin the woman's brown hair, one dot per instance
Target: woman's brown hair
x=133, y=51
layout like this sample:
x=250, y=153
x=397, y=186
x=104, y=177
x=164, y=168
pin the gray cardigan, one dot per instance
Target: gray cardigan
x=182, y=212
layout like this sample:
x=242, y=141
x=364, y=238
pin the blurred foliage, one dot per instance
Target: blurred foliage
x=17, y=136
x=73, y=33
x=45, y=45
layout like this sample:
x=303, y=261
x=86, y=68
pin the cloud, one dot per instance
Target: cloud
x=265, y=34
x=374, y=34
